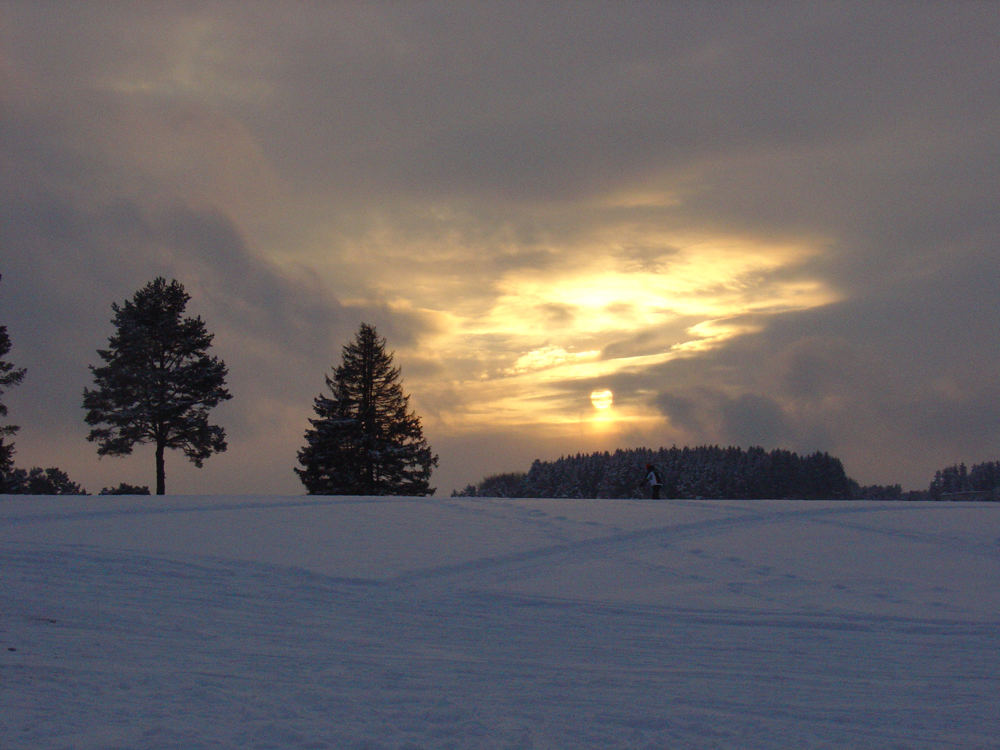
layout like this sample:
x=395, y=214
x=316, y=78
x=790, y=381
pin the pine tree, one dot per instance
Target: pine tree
x=9, y=376
x=158, y=382
x=364, y=440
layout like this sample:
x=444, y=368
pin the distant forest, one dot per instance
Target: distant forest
x=724, y=473
x=981, y=482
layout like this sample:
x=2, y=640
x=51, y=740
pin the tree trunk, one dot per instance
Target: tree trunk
x=161, y=476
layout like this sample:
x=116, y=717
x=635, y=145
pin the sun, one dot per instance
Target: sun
x=602, y=399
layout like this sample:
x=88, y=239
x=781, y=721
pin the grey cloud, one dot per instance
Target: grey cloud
x=532, y=259
x=557, y=314
x=890, y=384
x=481, y=99
x=645, y=259
x=754, y=420
x=812, y=368
x=681, y=411
x=709, y=416
x=651, y=340
x=477, y=99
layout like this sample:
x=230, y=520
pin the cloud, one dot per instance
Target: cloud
x=902, y=380
x=751, y=420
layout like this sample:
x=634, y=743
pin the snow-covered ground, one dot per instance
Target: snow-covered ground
x=243, y=622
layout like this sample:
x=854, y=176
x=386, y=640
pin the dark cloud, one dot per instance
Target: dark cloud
x=682, y=411
x=904, y=381
x=753, y=420
x=744, y=420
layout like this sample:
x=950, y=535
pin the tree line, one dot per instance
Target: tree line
x=730, y=473
x=689, y=472
x=981, y=481
x=158, y=383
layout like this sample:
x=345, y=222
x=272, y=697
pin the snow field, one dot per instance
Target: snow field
x=240, y=622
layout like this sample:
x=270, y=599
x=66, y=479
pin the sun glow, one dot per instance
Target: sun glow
x=602, y=399
x=520, y=354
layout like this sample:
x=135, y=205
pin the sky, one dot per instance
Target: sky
x=579, y=225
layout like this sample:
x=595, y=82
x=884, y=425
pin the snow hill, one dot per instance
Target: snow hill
x=305, y=623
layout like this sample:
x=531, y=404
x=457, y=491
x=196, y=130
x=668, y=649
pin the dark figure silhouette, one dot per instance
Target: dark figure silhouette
x=654, y=481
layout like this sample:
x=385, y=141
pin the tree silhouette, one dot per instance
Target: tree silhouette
x=158, y=382
x=39, y=481
x=9, y=376
x=364, y=440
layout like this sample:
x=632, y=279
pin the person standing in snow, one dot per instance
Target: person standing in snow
x=654, y=481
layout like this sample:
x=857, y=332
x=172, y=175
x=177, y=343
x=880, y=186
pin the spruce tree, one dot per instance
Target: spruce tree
x=158, y=382
x=9, y=376
x=364, y=439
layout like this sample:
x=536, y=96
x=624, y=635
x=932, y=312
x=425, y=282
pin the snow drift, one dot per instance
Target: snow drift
x=241, y=622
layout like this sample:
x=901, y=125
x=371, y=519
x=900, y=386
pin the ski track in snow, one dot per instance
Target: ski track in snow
x=474, y=623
